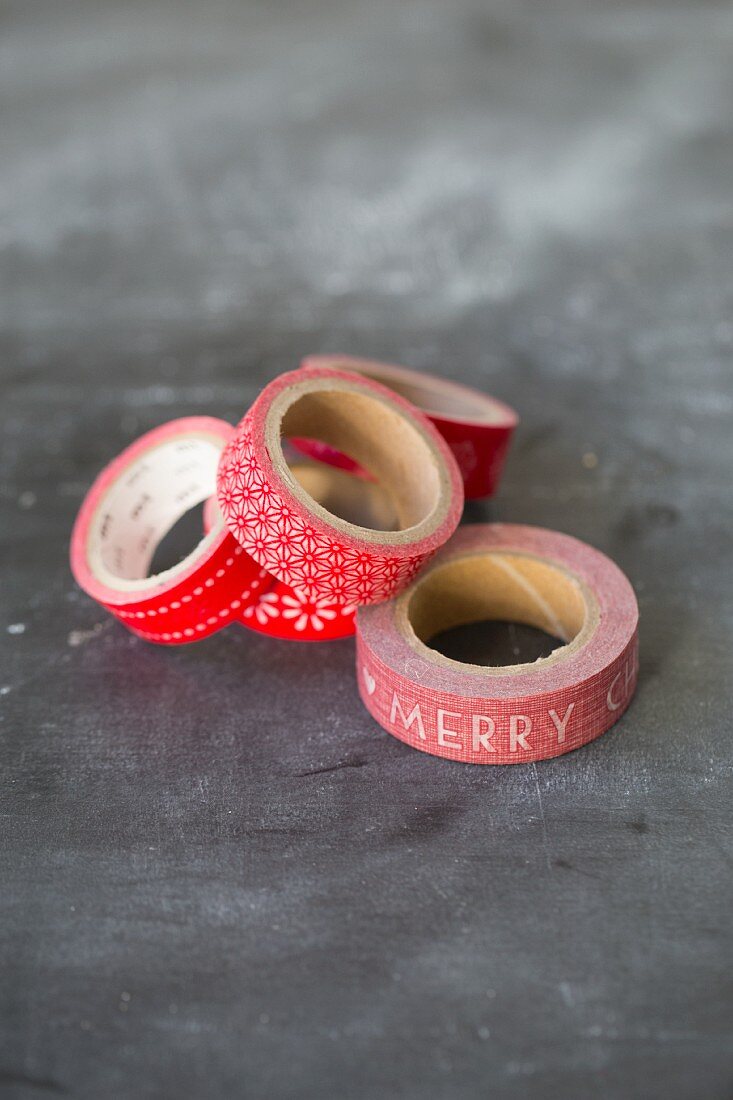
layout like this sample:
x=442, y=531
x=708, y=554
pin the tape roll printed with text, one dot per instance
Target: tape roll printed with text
x=517, y=713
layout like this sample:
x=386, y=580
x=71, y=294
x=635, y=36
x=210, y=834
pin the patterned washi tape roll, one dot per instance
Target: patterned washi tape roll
x=294, y=537
x=512, y=714
x=289, y=613
x=477, y=428
x=133, y=503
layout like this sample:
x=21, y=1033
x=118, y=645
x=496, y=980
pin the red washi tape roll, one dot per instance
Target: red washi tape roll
x=294, y=537
x=512, y=714
x=133, y=503
x=477, y=428
x=289, y=613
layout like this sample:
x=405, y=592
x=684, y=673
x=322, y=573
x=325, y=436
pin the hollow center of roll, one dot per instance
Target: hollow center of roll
x=497, y=586
x=381, y=439
x=351, y=498
x=494, y=643
x=145, y=502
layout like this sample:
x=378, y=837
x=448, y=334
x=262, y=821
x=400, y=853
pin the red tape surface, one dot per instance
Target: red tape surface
x=514, y=714
x=286, y=613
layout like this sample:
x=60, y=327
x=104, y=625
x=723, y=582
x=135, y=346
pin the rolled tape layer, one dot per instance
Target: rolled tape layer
x=513, y=714
x=295, y=538
x=477, y=427
x=289, y=613
x=133, y=503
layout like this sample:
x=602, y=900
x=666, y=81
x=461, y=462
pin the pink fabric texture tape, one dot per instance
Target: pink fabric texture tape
x=518, y=713
x=477, y=428
x=133, y=503
x=294, y=537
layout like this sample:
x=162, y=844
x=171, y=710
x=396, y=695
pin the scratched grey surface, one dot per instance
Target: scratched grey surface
x=219, y=877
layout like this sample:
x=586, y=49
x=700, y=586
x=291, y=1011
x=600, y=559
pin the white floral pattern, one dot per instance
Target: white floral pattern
x=303, y=615
x=321, y=568
x=313, y=613
x=265, y=609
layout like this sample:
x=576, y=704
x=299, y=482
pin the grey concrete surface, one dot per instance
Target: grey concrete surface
x=219, y=877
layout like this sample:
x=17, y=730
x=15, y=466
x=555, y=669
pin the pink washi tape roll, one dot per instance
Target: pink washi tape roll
x=133, y=503
x=477, y=428
x=518, y=713
x=294, y=537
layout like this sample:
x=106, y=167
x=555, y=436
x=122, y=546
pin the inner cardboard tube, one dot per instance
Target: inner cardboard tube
x=498, y=585
x=381, y=438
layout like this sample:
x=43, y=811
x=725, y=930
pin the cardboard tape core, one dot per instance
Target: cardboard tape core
x=477, y=427
x=142, y=505
x=378, y=437
x=498, y=585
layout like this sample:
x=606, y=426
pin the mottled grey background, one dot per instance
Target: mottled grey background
x=219, y=877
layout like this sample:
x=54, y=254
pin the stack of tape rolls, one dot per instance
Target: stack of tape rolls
x=360, y=537
x=272, y=551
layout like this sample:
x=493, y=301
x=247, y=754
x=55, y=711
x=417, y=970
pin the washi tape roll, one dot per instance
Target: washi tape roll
x=477, y=427
x=290, y=613
x=512, y=714
x=294, y=537
x=131, y=506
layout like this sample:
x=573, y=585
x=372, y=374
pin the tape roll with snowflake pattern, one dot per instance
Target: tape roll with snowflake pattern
x=299, y=541
x=290, y=613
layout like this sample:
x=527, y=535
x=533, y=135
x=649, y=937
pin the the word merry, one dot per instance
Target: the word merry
x=453, y=729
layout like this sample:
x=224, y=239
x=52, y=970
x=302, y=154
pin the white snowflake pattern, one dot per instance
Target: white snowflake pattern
x=325, y=571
